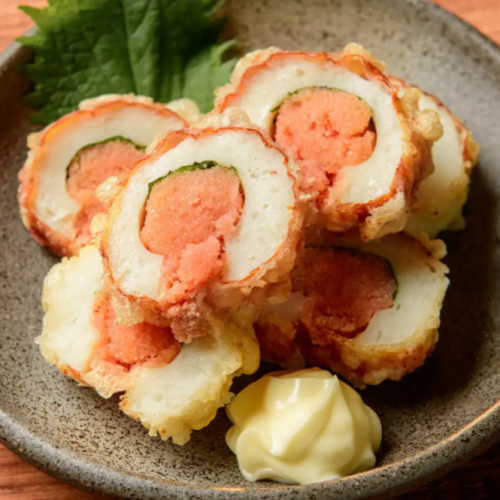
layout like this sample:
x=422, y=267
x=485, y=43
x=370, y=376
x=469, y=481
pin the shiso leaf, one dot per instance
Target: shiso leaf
x=295, y=92
x=189, y=168
x=117, y=138
x=165, y=49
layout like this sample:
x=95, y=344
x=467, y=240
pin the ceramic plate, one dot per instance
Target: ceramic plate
x=434, y=419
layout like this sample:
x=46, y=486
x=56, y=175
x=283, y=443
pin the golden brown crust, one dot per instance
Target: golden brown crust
x=373, y=218
x=270, y=279
x=55, y=241
x=471, y=147
x=278, y=342
x=360, y=363
x=39, y=231
x=370, y=368
x=74, y=374
x=433, y=216
x=386, y=213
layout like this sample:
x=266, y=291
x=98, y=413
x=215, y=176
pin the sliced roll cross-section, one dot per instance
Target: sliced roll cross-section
x=442, y=195
x=362, y=147
x=170, y=388
x=368, y=311
x=212, y=218
x=105, y=137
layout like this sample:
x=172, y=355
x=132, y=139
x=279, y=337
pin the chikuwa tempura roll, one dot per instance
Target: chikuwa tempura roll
x=362, y=144
x=170, y=388
x=211, y=219
x=442, y=195
x=368, y=311
x=105, y=137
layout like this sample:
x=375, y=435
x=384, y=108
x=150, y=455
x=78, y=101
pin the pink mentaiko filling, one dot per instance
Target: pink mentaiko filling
x=340, y=291
x=325, y=130
x=188, y=216
x=344, y=289
x=92, y=166
x=122, y=347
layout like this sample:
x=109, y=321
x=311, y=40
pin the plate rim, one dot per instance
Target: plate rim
x=459, y=447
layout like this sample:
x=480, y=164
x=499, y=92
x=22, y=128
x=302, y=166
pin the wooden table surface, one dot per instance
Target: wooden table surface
x=478, y=480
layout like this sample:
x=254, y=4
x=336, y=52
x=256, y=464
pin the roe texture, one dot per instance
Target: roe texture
x=91, y=167
x=325, y=130
x=188, y=216
x=343, y=289
x=123, y=346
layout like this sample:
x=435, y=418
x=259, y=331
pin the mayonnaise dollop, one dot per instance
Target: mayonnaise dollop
x=302, y=427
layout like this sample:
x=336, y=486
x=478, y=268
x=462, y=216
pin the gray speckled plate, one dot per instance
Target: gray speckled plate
x=434, y=419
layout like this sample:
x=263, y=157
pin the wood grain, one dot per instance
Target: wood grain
x=483, y=14
x=13, y=22
x=20, y=481
x=478, y=480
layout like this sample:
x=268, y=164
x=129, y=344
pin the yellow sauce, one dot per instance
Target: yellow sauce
x=302, y=427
